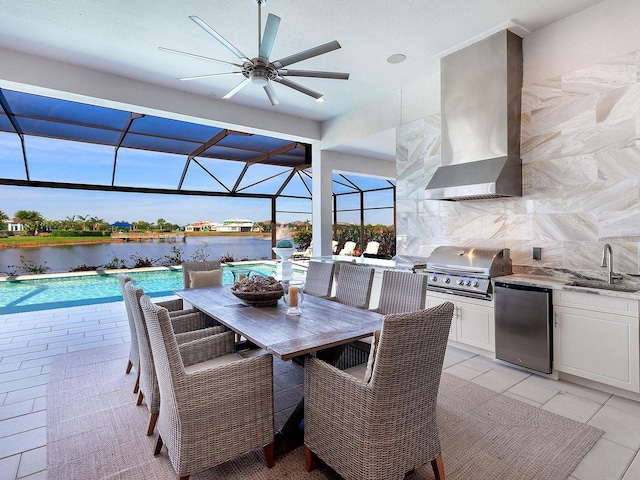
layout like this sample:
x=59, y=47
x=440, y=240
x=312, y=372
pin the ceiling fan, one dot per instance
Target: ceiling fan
x=260, y=70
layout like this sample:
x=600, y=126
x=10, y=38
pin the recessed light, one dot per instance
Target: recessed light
x=396, y=58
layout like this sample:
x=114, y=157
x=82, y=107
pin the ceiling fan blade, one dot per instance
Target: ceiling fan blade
x=220, y=38
x=312, y=52
x=271, y=93
x=269, y=37
x=313, y=73
x=236, y=89
x=298, y=87
x=198, y=77
x=200, y=57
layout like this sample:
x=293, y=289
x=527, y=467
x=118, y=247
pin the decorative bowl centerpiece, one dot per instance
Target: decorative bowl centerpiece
x=258, y=291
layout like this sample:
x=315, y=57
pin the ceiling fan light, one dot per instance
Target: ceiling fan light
x=320, y=99
x=259, y=76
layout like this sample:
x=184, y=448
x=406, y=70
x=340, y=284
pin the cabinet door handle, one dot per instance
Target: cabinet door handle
x=555, y=319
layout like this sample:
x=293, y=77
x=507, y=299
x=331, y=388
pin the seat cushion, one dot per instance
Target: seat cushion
x=372, y=356
x=364, y=371
x=214, y=362
x=358, y=371
x=205, y=278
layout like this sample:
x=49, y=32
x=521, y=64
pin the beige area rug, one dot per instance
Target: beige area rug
x=95, y=431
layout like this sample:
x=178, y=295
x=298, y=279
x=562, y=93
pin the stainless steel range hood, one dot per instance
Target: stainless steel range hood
x=480, y=104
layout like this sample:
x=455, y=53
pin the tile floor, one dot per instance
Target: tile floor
x=29, y=342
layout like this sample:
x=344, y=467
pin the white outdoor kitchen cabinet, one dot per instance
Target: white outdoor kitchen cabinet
x=596, y=337
x=473, y=320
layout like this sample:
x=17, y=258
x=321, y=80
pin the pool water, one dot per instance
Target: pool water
x=31, y=295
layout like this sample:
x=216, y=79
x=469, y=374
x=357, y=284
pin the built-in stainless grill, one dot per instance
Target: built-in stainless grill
x=466, y=271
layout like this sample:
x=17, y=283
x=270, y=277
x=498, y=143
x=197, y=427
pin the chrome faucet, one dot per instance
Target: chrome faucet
x=606, y=251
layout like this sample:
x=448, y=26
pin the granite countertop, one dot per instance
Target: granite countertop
x=402, y=263
x=561, y=283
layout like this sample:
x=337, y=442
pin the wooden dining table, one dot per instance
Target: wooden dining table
x=323, y=323
x=324, y=327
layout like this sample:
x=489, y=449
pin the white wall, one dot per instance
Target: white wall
x=410, y=103
x=580, y=151
x=605, y=31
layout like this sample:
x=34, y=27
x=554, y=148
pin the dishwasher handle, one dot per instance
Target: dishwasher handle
x=519, y=286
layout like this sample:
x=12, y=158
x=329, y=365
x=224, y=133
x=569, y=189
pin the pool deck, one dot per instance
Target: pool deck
x=29, y=343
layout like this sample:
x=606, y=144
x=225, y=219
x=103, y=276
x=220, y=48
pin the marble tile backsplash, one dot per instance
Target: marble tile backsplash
x=580, y=147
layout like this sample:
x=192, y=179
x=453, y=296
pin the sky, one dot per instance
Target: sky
x=78, y=162
x=57, y=204
x=57, y=160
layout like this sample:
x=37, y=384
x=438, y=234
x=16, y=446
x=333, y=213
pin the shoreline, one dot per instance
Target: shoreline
x=55, y=244
x=95, y=240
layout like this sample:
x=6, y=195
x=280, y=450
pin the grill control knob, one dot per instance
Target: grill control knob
x=446, y=280
x=468, y=283
x=433, y=278
x=460, y=281
x=475, y=283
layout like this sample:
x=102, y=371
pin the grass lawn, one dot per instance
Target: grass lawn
x=22, y=241
x=27, y=241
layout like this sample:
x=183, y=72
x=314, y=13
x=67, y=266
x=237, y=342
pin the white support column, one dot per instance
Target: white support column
x=321, y=202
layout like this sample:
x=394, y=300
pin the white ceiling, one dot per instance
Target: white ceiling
x=122, y=37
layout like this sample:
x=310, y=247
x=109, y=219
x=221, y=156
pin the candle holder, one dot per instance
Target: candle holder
x=293, y=296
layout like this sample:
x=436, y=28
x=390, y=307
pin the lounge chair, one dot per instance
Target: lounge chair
x=372, y=248
x=348, y=249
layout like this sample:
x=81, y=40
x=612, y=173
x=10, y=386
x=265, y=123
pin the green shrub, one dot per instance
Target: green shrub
x=78, y=233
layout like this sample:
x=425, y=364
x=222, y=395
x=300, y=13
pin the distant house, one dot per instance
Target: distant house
x=202, y=226
x=15, y=227
x=236, y=225
x=231, y=225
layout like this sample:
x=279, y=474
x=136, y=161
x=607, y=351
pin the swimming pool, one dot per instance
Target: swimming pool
x=44, y=294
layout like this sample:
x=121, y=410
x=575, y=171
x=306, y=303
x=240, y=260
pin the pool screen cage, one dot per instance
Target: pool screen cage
x=54, y=143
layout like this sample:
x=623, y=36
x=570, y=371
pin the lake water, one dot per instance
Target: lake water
x=64, y=258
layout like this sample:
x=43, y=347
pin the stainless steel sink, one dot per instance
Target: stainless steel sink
x=604, y=285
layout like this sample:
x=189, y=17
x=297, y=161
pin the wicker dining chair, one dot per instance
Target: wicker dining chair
x=188, y=329
x=385, y=427
x=188, y=267
x=319, y=279
x=213, y=408
x=402, y=291
x=134, y=355
x=175, y=307
x=354, y=285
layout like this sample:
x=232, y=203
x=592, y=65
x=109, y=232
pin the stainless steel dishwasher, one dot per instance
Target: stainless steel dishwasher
x=523, y=316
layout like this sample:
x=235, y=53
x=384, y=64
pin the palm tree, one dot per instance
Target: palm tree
x=30, y=219
x=85, y=221
x=3, y=218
